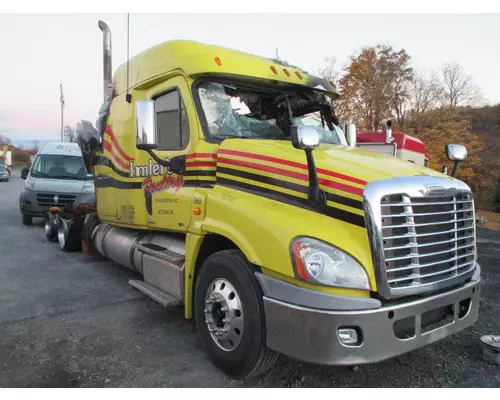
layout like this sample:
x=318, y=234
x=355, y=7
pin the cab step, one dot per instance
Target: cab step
x=156, y=294
x=160, y=252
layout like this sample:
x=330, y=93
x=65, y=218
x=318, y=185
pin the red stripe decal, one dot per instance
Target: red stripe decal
x=109, y=131
x=291, y=174
x=292, y=164
x=263, y=158
x=107, y=146
x=201, y=155
x=201, y=164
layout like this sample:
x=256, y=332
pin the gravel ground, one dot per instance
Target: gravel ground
x=70, y=320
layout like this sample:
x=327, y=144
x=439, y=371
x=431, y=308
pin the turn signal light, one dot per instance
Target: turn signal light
x=302, y=271
x=197, y=211
x=218, y=61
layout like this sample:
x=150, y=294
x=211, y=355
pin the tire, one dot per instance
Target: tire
x=51, y=226
x=90, y=222
x=27, y=219
x=246, y=354
x=67, y=236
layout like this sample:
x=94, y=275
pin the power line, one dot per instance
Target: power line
x=150, y=26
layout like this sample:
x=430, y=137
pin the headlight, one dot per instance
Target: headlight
x=88, y=187
x=29, y=184
x=318, y=262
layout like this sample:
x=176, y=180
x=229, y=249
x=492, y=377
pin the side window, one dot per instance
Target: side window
x=172, y=128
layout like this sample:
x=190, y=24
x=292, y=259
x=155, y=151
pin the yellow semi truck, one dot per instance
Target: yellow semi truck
x=276, y=236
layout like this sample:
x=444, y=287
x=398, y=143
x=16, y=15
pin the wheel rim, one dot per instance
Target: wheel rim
x=224, y=314
x=48, y=225
x=62, y=233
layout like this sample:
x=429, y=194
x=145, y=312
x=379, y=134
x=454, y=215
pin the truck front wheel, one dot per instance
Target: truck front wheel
x=229, y=314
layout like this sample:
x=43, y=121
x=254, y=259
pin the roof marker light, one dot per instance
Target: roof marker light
x=298, y=74
x=218, y=61
x=273, y=68
x=286, y=72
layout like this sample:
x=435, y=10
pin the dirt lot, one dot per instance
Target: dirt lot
x=67, y=320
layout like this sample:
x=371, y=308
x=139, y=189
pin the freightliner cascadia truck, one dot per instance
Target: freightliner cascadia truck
x=275, y=236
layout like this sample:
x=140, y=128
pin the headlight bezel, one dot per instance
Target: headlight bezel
x=29, y=183
x=319, y=246
x=88, y=187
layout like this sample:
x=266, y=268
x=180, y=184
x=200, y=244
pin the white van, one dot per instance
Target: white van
x=56, y=178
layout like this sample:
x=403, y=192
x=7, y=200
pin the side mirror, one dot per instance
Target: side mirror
x=350, y=133
x=24, y=173
x=145, y=125
x=456, y=153
x=304, y=137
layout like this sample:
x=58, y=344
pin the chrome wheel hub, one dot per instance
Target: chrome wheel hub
x=224, y=314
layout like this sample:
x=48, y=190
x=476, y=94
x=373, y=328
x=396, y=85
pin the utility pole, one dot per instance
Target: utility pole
x=62, y=113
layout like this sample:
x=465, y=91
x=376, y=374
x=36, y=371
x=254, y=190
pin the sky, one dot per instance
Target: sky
x=41, y=51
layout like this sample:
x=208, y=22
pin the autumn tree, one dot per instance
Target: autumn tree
x=375, y=84
x=459, y=87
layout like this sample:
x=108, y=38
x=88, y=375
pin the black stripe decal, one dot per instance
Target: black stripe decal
x=200, y=172
x=289, y=185
x=102, y=181
x=332, y=212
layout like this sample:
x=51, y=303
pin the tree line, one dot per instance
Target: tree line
x=379, y=83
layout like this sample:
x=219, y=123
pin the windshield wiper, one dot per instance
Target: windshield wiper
x=40, y=173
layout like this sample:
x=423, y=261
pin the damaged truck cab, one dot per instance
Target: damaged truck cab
x=274, y=235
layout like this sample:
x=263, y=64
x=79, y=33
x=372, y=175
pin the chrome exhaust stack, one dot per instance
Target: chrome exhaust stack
x=106, y=58
x=388, y=132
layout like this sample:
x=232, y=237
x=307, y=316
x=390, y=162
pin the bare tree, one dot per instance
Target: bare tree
x=331, y=71
x=459, y=88
x=423, y=94
x=69, y=134
x=4, y=140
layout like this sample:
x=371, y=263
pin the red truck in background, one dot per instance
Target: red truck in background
x=396, y=144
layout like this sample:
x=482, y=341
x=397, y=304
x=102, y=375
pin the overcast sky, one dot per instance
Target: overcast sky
x=39, y=51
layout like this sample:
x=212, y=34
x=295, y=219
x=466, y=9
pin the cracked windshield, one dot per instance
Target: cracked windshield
x=236, y=111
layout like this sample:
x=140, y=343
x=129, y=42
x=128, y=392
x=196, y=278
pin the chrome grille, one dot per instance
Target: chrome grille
x=55, y=200
x=427, y=240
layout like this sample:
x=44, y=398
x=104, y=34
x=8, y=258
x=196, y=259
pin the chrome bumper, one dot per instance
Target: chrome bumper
x=311, y=335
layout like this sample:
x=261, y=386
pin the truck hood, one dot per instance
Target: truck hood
x=339, y=162
x=276, y=170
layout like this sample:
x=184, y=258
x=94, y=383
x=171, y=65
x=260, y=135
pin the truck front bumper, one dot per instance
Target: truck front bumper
x=312, y=335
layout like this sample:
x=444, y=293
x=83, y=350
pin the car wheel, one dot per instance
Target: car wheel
x=229, y=315
x=27, y=219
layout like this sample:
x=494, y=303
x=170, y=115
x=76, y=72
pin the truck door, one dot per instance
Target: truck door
x=167, y=196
